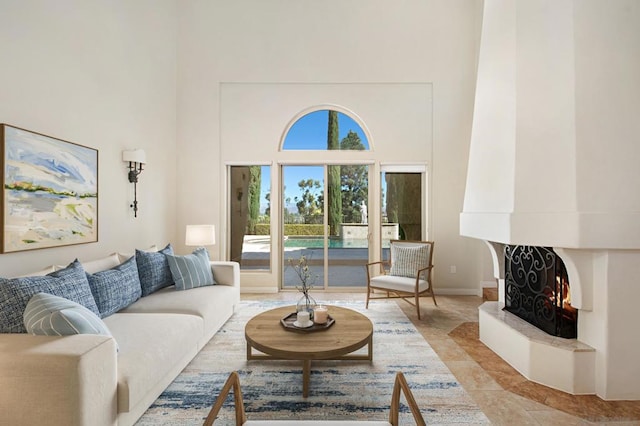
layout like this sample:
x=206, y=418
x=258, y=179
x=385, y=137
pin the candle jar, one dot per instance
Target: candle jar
x=320, y=314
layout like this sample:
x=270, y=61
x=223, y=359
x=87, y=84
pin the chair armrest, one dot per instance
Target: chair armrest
x=226, y=272
x=233, y=381
x=382, y=271
x=401, y=385
x=424, y=269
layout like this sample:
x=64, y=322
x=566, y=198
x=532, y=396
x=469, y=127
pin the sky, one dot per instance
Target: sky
x=309, y=133
x=50, y=162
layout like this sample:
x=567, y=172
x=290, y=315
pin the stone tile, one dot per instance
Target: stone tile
x=554, y=417
x=448, y=350
x=471, y=376
x=490, y=293
x=501, y=409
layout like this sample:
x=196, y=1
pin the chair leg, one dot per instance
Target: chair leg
x=418, y=305
x=433, y=296
x=366, y=305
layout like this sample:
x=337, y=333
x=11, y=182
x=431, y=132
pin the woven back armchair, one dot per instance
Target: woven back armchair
x=407, y=275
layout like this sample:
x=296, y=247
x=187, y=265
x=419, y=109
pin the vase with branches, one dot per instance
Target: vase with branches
x=307, y=278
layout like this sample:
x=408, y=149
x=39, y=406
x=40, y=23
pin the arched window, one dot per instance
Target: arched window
x=311, y=132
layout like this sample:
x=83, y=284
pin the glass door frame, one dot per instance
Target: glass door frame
x=418, y=168
x=373, y=216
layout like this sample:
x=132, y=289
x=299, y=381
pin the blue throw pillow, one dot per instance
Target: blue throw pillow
x=192, y=270
x=115, y=288
x=153, y=270
x=70, y=283
x=51, y=315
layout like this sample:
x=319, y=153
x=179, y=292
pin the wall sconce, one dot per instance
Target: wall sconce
x=200, y=235
x=136, y=158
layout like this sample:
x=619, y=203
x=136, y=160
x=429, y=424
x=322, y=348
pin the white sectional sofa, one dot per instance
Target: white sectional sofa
x=95, y=380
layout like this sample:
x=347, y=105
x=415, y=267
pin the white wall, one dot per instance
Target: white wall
x=101, y=74
x=332, y=41
x=253, y=123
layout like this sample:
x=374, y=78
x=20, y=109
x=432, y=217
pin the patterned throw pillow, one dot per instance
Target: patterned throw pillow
x=192, y=270
x=406, y=260
x=70, y=283
x=115, y=289
x=51, y=315
x=153, y=270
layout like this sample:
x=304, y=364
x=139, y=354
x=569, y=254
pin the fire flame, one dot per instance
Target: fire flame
x=562, y=287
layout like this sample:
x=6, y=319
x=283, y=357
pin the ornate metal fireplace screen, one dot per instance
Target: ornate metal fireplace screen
x=537, y=290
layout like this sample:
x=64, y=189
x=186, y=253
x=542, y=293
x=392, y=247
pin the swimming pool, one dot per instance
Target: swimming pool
x=310, y=242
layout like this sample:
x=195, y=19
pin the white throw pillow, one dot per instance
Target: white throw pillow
x=126, y=256
x=102, y=264
x=41, y=273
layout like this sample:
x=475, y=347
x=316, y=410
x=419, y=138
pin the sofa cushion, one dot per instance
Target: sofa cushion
x=154, y=348
x=192, y=270
x=70, y=283
x=50, y=315
x=214, y=304
x=153, y=270
x=115, y=288
x=392, y=282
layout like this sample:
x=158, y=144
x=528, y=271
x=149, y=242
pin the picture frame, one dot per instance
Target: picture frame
x=49, y=191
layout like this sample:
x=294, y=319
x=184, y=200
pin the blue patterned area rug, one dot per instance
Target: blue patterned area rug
x=339, y=390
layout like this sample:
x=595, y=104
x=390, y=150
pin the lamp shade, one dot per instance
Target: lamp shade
x=134, y=156
x=200, y=235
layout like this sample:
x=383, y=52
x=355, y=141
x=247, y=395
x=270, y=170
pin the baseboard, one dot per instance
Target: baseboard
x=258, y=289
x=459, y=291
x=440, y=291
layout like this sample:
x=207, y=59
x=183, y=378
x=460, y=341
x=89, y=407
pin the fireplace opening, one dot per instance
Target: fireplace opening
x=537, y=290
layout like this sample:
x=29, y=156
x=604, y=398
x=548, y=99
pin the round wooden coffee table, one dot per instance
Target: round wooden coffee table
x=351, y=331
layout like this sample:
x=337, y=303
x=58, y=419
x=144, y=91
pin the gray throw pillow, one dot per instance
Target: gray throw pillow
x=406, y=260
x=192, y=270
x=153, y=270
x=70, y=283
x=116, y=288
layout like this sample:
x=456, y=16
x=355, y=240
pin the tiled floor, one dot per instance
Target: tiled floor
x=505, y=396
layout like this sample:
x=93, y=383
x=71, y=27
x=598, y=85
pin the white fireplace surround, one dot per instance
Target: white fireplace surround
x=564, y=364
x=554, y=161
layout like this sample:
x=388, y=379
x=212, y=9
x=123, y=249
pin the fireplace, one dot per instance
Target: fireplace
x=553, y=162
x=537, y=289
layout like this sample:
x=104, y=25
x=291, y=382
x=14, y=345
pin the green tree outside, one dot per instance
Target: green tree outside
x=353, y=181
x=334, y=196
x=310, y=203
x=254, y=198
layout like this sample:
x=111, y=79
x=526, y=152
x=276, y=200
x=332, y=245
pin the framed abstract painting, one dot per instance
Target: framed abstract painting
x=50, y=191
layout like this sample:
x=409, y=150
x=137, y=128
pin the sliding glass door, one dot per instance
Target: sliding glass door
x=324, y=211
